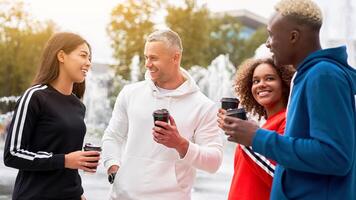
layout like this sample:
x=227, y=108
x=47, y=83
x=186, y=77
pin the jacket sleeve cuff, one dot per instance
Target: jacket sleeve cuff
x=109, y=163
x=259, y=142
x=191, y=154
x=58, y=161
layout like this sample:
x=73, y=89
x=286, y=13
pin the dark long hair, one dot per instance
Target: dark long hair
x=49, y=67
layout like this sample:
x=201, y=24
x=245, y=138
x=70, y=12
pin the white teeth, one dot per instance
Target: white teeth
x=263, y=93
x=85, y=71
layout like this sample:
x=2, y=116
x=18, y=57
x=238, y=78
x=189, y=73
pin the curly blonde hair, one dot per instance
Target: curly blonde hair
x=302, y=11
x=243, y=84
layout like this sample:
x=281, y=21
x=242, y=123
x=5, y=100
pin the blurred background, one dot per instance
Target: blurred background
x=217, y=36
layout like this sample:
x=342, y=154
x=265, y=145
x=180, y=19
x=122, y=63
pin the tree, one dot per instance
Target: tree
x=204, y=36
x=193, y=24
x=251, y=44
x=225, y=38
x=130, y=23
x=228, y=37
x=21, y=44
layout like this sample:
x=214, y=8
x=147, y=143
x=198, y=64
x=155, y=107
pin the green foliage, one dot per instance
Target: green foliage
x=130, y=23
x=192, y=23
x=21, y=43
x=239, y=48
x=249, y=46
x=204, y=35
x=225, y=38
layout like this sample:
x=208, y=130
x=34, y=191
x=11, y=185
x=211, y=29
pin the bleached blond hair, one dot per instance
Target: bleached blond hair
x=304, y=12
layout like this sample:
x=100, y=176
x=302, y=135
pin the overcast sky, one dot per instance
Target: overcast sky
x=89, y=18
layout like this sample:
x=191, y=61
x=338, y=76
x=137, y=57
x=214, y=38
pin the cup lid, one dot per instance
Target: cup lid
x=235, y=110
x=161, y=111
x=229, y=99
x=88, y=144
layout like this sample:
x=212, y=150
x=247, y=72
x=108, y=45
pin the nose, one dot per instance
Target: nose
x=88, y=63
x=148, y=63
x=261, y=84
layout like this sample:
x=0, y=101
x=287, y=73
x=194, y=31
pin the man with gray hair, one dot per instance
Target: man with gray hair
x=317, y=155
x=158, y=160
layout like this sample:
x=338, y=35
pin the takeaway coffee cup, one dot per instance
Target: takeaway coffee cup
x=161, y=115
x=237, y=112
x=229, y=103
x=92, y=147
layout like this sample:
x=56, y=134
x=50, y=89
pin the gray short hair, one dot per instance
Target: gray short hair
x=167, y=36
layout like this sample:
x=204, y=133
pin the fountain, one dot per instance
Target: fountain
x=95, y=99
x=101, y=81
x=7, y=105
x=135, y=68
x=215, y=81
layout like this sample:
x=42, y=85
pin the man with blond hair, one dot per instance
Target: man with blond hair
x=158, y=161
x=317, y=154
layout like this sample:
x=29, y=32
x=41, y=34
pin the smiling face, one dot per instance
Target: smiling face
x=162, y=62
x=267, y=87
x=75, y=65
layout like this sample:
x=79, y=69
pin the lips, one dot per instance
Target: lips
x=85, y=71
x=153, y=70
x=263, y=93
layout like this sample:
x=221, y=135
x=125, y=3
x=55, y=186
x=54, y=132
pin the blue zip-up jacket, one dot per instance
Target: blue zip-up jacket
x=317, y=154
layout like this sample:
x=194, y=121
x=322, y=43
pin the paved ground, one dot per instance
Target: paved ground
x=96, y=187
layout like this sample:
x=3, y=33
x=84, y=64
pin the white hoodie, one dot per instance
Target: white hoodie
x=151, y=171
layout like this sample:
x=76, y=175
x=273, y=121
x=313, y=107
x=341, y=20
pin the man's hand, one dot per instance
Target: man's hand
x=113, y=169
x=168, y=135
x=239, y=131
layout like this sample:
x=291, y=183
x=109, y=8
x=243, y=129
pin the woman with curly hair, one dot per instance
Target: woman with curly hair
x=263, y=89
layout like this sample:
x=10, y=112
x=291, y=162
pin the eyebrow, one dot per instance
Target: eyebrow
x=151, y=55
x=83, y=51
x=87, y=53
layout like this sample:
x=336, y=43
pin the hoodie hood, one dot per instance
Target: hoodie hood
x=337, y=56
x=189, y=86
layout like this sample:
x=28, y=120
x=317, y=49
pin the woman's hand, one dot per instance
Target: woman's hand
x=84, y=160
x=221, y=117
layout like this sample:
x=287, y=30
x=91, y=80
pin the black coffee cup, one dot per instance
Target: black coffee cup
x=229, y=103
x=161, y=115
x=92, y=147
x=238, y=113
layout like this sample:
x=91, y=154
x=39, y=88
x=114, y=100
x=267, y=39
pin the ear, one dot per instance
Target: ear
x=60, y=56
x=176, y=56
x=294, y=36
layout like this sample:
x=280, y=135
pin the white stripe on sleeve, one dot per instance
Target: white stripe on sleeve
x=18, y=126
